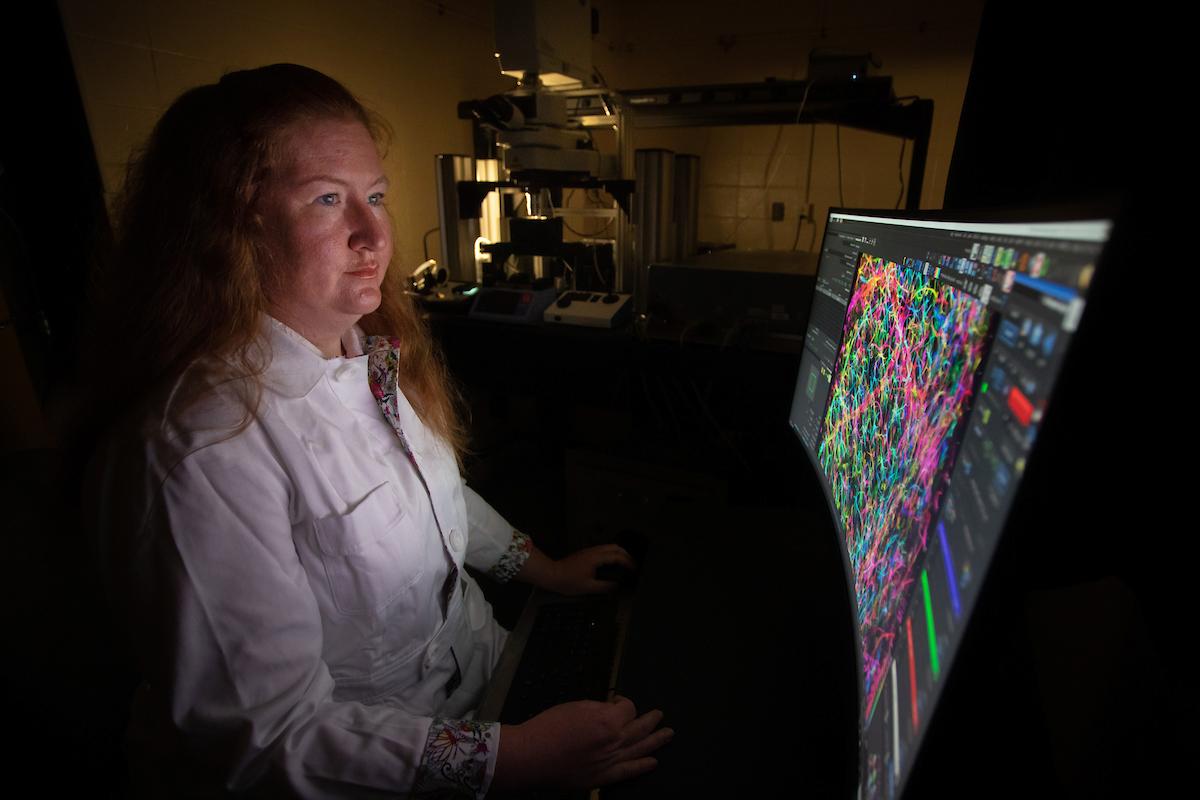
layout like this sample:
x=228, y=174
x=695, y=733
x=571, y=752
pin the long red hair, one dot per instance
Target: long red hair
x=186, y=288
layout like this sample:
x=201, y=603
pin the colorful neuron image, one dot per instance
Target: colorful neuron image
x=902, y=389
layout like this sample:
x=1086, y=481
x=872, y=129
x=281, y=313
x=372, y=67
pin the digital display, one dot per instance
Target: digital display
x=930, y=359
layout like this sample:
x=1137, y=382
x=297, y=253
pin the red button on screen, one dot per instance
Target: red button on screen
x=1020, y=405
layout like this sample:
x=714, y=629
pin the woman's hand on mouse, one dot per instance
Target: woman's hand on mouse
x=576, y=573
x=583, y=744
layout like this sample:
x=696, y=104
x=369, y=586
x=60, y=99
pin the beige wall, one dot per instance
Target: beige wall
x=413, y=61
x=926, y=46
x=404, y=59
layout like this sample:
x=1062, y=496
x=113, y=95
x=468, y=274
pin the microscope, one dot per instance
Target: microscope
x=505, y=214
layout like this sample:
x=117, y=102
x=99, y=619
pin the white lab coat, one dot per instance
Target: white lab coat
x=287, y=588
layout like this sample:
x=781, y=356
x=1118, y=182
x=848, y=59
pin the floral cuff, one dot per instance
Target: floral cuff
x=513, y=559
x=456, y=759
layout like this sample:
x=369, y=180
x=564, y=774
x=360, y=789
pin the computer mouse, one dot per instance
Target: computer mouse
x=563, y=301
x=465, y=288
x=633, y=542
x=618, y=573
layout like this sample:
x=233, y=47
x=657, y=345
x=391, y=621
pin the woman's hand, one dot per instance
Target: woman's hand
x=575, y=574
x=579, y=745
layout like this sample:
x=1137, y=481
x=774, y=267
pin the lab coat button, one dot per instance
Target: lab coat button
x=456, y=539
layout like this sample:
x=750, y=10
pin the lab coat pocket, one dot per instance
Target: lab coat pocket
x=370, y=555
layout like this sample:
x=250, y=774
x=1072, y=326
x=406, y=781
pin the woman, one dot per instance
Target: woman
x=283, y=514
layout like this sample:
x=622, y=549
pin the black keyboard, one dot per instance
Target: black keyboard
x=569, y=656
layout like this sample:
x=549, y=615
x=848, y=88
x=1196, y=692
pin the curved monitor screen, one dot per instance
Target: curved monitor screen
x=932, y=349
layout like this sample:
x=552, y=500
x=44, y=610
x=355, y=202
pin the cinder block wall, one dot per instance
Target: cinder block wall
x=411, y=61
x=414, y=60
x=926, y=47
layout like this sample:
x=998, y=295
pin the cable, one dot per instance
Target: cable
x=582, y=235
x=812, y=142
x=779, y=134
x=767, y=174
x=702, y=404
x=687, y=328
x=733, y=331
x=566, y=201
x=900, y=169
x=596, y=267
x=569, y=267
x=771, y=157
x=425, y=241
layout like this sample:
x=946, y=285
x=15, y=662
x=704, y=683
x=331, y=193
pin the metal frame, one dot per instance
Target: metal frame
x=867, y=104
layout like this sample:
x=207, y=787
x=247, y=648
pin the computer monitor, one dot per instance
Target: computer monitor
x=932, y=350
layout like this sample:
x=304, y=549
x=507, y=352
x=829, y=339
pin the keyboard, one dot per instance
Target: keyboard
x=570, y=654
x=561, y=649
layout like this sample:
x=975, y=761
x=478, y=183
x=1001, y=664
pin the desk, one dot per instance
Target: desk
x=742, y=635
x=539, y=393
x=568, y=367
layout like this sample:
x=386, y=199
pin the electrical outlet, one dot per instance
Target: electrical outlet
x=777, y=211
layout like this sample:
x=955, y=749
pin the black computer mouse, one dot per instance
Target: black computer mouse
x=563, y=301
x=634, y=543
x=618, y=573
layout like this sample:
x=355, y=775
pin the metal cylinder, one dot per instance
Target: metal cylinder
x=457, y=235
x=653, y=218
x=687, y=205
x=487, y=170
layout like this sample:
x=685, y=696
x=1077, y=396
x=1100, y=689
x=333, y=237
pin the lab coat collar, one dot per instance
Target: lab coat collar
x=296, y=364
